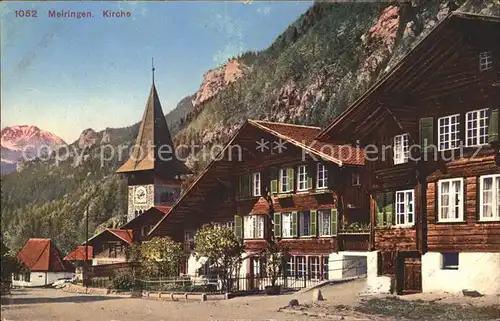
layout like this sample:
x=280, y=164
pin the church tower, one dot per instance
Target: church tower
x=153, y=171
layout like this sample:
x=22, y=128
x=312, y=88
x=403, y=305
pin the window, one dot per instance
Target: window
x=304, y=223
x=27, y=277
x=301, y=266
x=489, y=198
x=476, y=127
x=448, y=132
x=16, y=276
x=302, y=178
x=401, y=149
x=285, y=185
x=485, y=60
x=254, y=226
x=405, y=209
x=325, y=267
x=322, y=176
x=290, y=266
x=450, y=261
x=450, y=200
x=286, y=221
x=325, y=222
x=314, y=266
x=256, y=184
x=230, y=225
x=356, y=179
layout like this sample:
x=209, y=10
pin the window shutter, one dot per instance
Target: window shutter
x=277, y=224
x=245, y=185
x=250, y=185
x=274, y=181
x=330, y=179
x=238, y=226
x=389, y=200
x=294, y=224
x=493, y=126
x=379, y=207
x=334, y=221
x=310, y=175
x=291, y=179
x=426, y=132
x=312, y=223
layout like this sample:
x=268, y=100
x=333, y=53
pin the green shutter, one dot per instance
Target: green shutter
x=245, y=185
x=291, y=179
x=379, y=209
x=493, y=126
x=389, y=201
x=426, y=132
x=274, y=181
x=334, y=221
x=312, y=223
x=277, y=224
x=238, y=226
x=294, y=224
x=250, y=185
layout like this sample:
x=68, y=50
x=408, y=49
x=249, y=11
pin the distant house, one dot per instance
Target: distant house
x=43, y=264
x=77, y=257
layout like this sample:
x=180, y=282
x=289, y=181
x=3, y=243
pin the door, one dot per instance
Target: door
x=409, y=273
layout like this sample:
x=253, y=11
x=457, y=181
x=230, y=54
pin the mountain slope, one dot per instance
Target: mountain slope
x=318, y=66
x=25, y=142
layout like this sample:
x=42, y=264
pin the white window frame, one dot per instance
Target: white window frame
x=324, y=261
x=286, y=225
x=495, y=199
x=256, y=184
x=401, y=148
x=320, y=222
x=290, y=266
x=408, y=204
x=302, y=178
x=446, y=137
x=253, y=227
x=315, y=267
x=302, y=225
x=355, y=179
x=301, y=265
x=485, y=60
x=451, y=200
x=321, y=180
x=284, y=179
x=476, y=137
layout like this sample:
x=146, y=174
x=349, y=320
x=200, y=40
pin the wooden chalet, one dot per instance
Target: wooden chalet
x=320, y=204
x=154, y=176
x=435, y=192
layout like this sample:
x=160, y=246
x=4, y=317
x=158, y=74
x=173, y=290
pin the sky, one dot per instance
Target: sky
x=65, y=74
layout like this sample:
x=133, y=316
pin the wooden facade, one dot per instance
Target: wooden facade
x=452, y=76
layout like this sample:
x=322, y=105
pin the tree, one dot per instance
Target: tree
x=222, y=249
x=9, y=265
x=159, y=257
x=274, y=253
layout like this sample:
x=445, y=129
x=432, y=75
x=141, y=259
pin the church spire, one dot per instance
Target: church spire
x=154, y=148
x=153, y=69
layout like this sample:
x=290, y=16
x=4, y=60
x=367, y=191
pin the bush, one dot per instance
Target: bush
x=125, y=282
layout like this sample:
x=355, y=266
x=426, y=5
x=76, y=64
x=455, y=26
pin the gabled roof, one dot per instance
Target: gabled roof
x=41, y=255
x=298, y=135
x=422, y=62
x=305, y=137
x=125, y=235
x=152, y=216
x=148, y=153
x=79, y=254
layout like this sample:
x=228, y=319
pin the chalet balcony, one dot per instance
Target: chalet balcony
x=354, y=237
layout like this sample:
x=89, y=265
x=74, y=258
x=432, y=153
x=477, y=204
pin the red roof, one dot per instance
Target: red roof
x=163, y=209
x=79, y=254
x=125, y=235
x=41, y=255
x=304, y=137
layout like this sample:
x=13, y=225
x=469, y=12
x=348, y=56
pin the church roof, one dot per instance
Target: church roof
x=154, y=148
